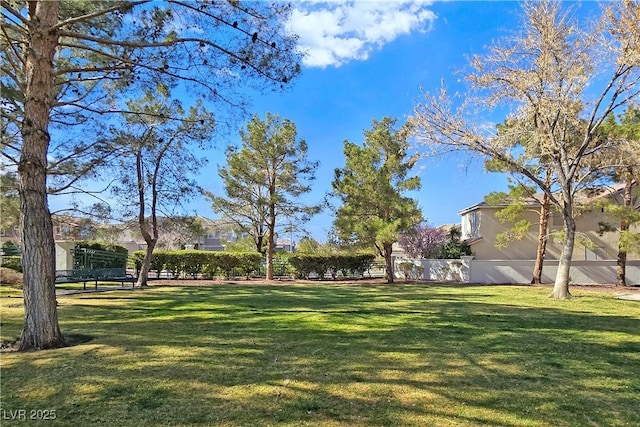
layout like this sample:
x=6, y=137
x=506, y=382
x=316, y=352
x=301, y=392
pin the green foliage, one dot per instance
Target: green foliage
x=102, y=246
x=629, y=241
x=605, y=227
x=245, y=244
x=159, y=144
x=9, y=199
x=281, y=264
x=226, y=262
x=518, y=231
x=193, y=262
x=137, y=258
x=89, y=254
x=308, y=245
x=454, y=248
x=514, y=204
x=621, y=212
x=373, y=209
x=10, y=248
x=249, y=262
x=174, y=262
x=13, y=262
x=265, y=177
x=207, y=263
x=628, y=215
x=348, y=265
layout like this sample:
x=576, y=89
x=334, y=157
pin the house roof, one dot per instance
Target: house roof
x=475, y=207
x=588, y=195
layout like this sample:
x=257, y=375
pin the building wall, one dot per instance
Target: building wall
x=601, y=247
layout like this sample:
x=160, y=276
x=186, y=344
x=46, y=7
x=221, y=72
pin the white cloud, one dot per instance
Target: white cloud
x=333, y=33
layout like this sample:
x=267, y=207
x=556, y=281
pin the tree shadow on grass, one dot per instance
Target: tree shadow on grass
x=337, y=356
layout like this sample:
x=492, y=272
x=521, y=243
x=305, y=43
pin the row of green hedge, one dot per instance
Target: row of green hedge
x=348, y=265
x=207, y=263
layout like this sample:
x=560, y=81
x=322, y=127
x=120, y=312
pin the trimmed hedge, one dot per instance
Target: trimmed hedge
x=347, y=265
x=207, y=263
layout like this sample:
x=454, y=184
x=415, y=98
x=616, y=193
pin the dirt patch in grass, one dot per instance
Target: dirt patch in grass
x=610, y=289
x=262, y=281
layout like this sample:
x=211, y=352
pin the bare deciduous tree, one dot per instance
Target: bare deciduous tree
x=560, y=81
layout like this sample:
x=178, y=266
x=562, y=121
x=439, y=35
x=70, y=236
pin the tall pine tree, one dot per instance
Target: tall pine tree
x=371, y=187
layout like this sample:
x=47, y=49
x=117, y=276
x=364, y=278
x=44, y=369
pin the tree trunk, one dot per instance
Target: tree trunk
x=258, y=241
x=41, y=329
x=561, y=286
x=621, y=267
x=543, y=230
x=388, y=260
x=143, y=277
x=270, y=247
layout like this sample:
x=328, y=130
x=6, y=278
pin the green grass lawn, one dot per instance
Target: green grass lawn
x=295, y=355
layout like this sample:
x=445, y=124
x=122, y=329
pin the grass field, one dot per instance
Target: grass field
x=295, y=355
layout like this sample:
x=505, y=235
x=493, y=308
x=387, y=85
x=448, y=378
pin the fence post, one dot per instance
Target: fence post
x=64, y=254
x=467, y=262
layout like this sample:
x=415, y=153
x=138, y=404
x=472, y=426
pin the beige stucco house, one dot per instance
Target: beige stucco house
x=480, y=228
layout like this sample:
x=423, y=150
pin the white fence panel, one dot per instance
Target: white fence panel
x=511, y=271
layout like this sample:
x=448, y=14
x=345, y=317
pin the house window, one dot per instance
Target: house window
x=471, y=225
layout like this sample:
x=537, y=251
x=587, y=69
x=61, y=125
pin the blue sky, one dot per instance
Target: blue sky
x=367, y=60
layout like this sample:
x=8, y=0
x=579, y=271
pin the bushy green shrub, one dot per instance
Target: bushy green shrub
x=227, y=262
x=173, y=262
x=348, y=265
x=9, y=248
x=249, y=262
x=136, y=258
x=206, y=263
x=158, y=261
x=281, y=265
x=13, y=262
x=193, y=262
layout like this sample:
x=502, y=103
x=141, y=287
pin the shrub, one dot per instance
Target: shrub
x=9, y=248
x=193, y=262
x=13, y=262
x=10, y=277
x=249, y=262
x=354, y=265
x=173, y=262
x=227, y=262
x=137, y=257
x=281, y=264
